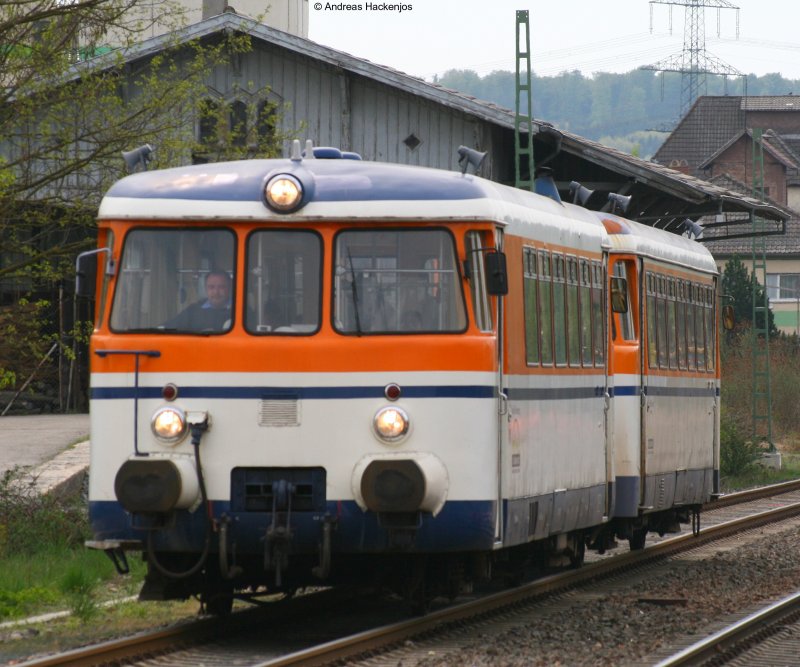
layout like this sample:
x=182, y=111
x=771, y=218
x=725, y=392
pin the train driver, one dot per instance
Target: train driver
x=210, y=314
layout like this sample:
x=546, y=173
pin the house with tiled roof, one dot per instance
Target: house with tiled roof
x=715, y=141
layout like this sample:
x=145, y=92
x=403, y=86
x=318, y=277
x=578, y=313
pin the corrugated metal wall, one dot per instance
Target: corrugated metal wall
x=334, y=107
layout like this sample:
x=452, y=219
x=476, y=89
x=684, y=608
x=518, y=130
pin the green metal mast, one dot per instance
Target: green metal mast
x=762, y=392
x=523, y=119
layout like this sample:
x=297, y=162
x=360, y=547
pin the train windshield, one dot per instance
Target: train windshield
x=283, y=282
x=397, y=281
x=175, y=281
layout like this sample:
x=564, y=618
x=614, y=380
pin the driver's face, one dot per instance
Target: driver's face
x=217, y=291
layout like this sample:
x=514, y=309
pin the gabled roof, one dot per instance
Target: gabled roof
x=702, y=132
x=771, y=142
x=664, y=195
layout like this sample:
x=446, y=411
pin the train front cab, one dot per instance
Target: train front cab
x=264, y=402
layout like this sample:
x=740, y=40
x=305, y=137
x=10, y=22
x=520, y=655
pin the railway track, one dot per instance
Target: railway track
x=768, y=636
x=212, y=641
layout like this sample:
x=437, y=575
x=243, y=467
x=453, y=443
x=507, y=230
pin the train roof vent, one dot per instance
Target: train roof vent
x=332, y=153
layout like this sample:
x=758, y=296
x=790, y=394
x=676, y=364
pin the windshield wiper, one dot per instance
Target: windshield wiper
x=354, y=290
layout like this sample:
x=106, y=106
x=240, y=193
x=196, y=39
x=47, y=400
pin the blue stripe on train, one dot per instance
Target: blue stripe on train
x=453, y=391
x=460, y=526
x=289, y=393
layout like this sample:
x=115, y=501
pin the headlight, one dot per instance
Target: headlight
x=169, y=424
x=283, y=193
x=391, y=424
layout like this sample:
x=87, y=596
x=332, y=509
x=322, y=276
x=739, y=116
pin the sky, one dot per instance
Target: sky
x=428, y=37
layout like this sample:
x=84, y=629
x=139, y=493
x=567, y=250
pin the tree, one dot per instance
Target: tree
x=75, y=94
x=737, y=289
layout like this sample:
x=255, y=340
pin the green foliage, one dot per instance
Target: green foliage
x=16, y=604
x=602, y=105
x=79, y=586
x=43, y=563
x=67, y=113
x=736, y=453
x=738, y=287
x=26, y=516
x=737, y=382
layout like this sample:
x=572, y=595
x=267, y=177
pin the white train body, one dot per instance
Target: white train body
x=244, y=452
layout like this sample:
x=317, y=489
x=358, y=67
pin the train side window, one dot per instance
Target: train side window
x=477, y=281
x=586, y=312
x=598, y=314
x=652, y=349
x=661, y=320
x=546, y=309
x=531, y=296
x=691, y=334
x=699, y=322
x=681, y=324
x=559, y=310
x=573, y=313
x=671, y=317
x=711, y=336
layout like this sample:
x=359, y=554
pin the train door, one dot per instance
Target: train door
x=488, y=314
x=625, y=377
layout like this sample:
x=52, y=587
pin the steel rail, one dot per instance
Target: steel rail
x=752, y=494
x=383, y=637
x=191, y=632
x=727, y=639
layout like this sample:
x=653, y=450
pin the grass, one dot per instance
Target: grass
x=756, y=475
x=45, y=568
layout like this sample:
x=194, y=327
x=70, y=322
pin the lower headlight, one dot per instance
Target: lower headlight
x=169, y=424
x=391, y=424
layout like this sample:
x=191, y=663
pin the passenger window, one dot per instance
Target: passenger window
x=586, y=312
x=546, y=309
x=573, y=313
x=531, y=296
x=681, y=324
x=559, y=310
x=598, y=314
x=671, y=316
x=711, y=338
x=652, y=348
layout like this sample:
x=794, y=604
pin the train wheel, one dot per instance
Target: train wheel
x=417, y=591
x=577, y=554
x=218, y=601
x=637, y=538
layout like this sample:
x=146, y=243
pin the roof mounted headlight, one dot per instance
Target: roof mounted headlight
x=283, y=193
x=169, y=424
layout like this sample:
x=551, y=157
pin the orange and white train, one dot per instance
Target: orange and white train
x=417, y=376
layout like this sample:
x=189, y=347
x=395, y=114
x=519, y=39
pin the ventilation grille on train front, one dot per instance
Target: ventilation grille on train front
x=279, y=412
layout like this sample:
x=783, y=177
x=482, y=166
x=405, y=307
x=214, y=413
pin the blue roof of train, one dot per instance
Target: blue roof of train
x=328, y=180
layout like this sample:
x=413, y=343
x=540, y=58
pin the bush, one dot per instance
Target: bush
x=736, y=454
x=31, y=522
